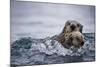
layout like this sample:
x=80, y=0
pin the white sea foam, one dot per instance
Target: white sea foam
x=47, y=51
x=51, y=48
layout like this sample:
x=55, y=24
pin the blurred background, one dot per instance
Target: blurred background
x=40, y=20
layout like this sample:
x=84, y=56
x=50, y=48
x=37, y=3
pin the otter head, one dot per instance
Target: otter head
x=75, y=39
x=72, y=25
x=71, y=34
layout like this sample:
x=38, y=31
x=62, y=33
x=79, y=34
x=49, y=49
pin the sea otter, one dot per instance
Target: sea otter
x=71, y=34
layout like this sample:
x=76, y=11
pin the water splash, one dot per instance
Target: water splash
x=48, y=51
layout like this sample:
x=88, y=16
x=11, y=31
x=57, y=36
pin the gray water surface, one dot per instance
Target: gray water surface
x=28, y=51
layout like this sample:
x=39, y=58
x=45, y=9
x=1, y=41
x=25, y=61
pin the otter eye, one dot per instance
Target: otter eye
x=68, y=23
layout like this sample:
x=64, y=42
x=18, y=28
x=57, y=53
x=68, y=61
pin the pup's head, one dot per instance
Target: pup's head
x=75, y=39
x=72, y=25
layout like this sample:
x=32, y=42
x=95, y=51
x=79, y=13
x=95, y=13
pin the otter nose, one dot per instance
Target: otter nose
x=82, y=43
x=72, y=26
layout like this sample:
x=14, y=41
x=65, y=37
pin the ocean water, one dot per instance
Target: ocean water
x=30, y=51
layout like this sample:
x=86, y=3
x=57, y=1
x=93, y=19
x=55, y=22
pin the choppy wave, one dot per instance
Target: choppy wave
x=28, y=51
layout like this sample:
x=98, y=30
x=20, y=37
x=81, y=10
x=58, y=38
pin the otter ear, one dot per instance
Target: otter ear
x=81, y=28
x=65, y=27
x=67, y=23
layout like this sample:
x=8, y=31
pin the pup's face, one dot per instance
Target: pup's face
x=72, y=25
x=76, y=39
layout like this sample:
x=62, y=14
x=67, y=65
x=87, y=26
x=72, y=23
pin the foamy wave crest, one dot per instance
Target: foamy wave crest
x=27, y=51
